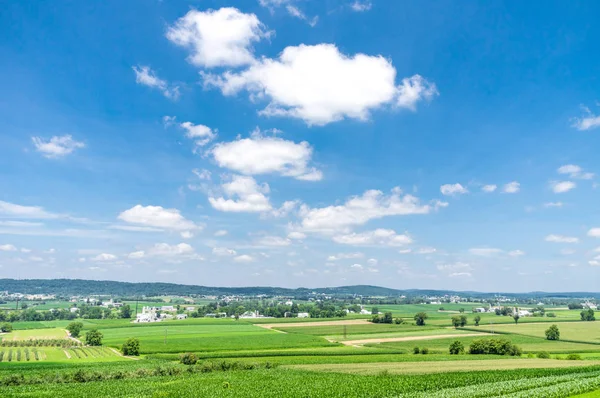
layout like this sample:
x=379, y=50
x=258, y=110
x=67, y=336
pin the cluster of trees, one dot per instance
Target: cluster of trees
x=6, y=328
x=588, y=315
x=459, y=321
x=494, y=347
x=387, y=318
x=84, y=311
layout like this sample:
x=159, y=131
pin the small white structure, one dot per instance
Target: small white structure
x=181, y=316
x=250, y=314
x=167, y=308
x=303, y=315
x=365, y=312
x=589, y=305
x=524, y=313
x=74, y=309
x=480, y=309
x=190, y=308
x=289, y=302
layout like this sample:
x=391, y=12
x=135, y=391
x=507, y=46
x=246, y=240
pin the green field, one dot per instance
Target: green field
x=49, y=333
x=575, y=331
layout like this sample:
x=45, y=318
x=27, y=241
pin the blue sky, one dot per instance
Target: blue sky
x=302, y=143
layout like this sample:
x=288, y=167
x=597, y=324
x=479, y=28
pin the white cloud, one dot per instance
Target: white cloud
x=575, y=171
x=220, y=37
x=320, y=85
x=405, y=251
x=104, y=257
x=244, y=258
x=200, y=133
x=266, y=155
x=164, y=249
x=454, y=267
x=8, y=248
x=296, y=235
x=20, y=224
x=372, y=262
x=273, y=241
x=561, y=239
x=136, y=255
x=158, y=217
x=358, y=210
x=554, y=204
x=36, y=259
x=35, y=212
x=489, y=188
x=562, y=186
x=361, y=6
x=244, y=194
x=221, y=232
x=25, y=250
x=594, y=263
x=511, y=187
x=567, y=252
x=223, y=251
x=460, y=275
x=145, y=76
x=384, y=237
x=57, y=146
x=588, y=122
x=516, y=253
x=484, y=251
x=356, y=266
x=286, y=208
x=453, y=189
x=344, y=256
x=594, y=232
x=426, y=250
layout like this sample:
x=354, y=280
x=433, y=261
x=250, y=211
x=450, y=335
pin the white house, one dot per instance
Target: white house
x=480, y=309
x=190, y=308
x=74, y=309
x=303, y=315
x=181, y=316
x=524, y=313
x=167, y=308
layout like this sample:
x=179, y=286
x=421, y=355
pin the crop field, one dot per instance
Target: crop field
x=50, y=333
x=576, y=331
x=284, y=383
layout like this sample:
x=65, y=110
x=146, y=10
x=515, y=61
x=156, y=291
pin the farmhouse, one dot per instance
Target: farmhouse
x=303, y=315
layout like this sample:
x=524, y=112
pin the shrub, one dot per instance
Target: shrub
x=416, y=350
x=6, y=328
x=543, y=355
x=420, y=318
x=457, y=348
x=552, y=333
x=588, y=315
x=574, y=357
x=131, y=347
x=398, y=321
x=188, y=358
x=424, y=350
x=550, y=314
x=376, y=319
x=74, y=328
x=93, y=337
x=494, y=347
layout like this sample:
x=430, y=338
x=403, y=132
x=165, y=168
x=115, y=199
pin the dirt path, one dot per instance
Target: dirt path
x=121, y=355
x=67, y=354
x=410, y=338
x=312, y=324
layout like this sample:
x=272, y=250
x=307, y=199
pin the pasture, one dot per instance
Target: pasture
x=574, y=331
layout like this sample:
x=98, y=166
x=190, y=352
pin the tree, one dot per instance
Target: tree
x=477, y=319
x=516, y=318
x=457, y=347
x=376, y=319
x=552, y=333
x=387, y=318
x=6, y=328
x=131, y=347
x=459, y=321
x=93, y=337
x=420, y=318
x=75, y=328
x=398, y=321
x=125, y=311
x=374, y=311
x=588, y=315
x=462, y=310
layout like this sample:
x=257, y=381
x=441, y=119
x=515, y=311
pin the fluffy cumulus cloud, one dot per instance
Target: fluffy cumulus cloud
x=296, y=235
x=145, y=76
x=453, y=189
x=199, y=133
x=222, y=37
x=588, y=121
x=221, y=232
x=158, y=217
x=561, y=239
x=358, y=210
x=377, y=237
x=575, y=171
x=594, y=232
x=57, y=146
x=165, y=250
x=223, y=251
x=489, y=188
x=243, y=195
x=320, y=85
x=244, y=258
x=562, y=186
x=484, y=251
x=511, y=187
x=267, y=155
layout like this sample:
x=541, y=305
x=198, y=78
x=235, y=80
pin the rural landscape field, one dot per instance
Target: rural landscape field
x=369, y=346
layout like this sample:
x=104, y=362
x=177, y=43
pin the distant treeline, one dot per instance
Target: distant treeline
x=67, y=287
